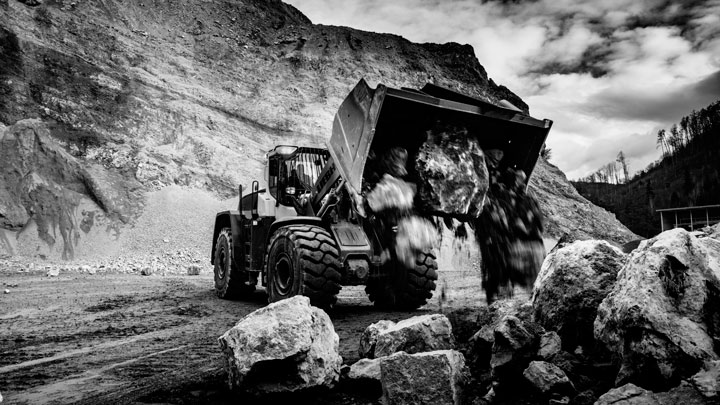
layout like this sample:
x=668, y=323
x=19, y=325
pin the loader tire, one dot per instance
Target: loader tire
x=303, y=260
x=404, y=288
x=230, y=282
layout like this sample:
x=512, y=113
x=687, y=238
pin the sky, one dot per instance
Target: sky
x=609, y=73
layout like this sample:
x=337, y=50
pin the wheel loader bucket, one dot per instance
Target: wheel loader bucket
x=382, y=118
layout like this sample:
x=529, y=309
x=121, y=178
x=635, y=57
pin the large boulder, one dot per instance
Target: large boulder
x=422, y=378
x=284, y=347
x=571, y=285
x=414, y=335
x=662, y=319
x=453, y=177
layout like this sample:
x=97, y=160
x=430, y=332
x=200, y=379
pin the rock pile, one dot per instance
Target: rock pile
x=662, y=318
x=645, y=323
x=602, y=326
x=172, y=263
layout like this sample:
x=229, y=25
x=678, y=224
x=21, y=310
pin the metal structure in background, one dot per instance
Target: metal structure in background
x=689, y=217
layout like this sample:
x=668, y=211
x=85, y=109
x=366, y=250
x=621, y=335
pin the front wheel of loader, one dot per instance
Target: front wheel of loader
x=303, y=260
x=230, y=282
x=403, y=288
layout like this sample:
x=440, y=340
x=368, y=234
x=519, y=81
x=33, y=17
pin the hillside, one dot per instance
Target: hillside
x=128, y=98
x=688, y=175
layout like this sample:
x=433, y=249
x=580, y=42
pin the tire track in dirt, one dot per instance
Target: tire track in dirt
x=123, y=338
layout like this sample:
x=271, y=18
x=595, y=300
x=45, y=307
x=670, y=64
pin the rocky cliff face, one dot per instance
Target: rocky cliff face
x=130, y=97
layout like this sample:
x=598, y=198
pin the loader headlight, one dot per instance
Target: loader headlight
x=290, y=190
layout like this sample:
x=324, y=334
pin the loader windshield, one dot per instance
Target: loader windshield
x=303, y=168
x=295, y=173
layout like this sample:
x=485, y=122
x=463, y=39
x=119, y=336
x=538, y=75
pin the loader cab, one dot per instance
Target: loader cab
x=291, y=174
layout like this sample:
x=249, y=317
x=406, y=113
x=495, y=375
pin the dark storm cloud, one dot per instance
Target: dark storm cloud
x=591, y=61
x=661, y=106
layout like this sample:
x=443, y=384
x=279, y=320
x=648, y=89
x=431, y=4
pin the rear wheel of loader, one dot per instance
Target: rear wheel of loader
x=402, y=288
x=230, y=282
x=303, y=260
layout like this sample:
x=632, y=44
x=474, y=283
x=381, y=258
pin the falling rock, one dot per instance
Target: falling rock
x=286, y=346
x=146, y=271
x=414, y=335
x=453, y=176
x=547, y=378
x=423, y=378
x=550, y=345
x=662, y=318
x=6, y=291
x=368, y=339
x=53, y=272
x=414, y=236
x=391, y=193
x=572, y=283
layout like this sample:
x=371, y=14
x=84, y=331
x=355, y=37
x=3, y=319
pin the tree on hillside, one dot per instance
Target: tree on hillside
x=676, y=140
x=546, y=152
x=662, y=142
x=624, y=165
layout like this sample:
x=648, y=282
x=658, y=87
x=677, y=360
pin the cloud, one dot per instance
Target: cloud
x=664, y=105
x=608, y=73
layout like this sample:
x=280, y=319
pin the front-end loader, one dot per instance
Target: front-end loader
x=308, y=231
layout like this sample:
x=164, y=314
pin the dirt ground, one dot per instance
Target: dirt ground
x=126, y=338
